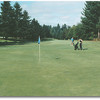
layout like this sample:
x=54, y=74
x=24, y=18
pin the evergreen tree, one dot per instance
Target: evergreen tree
x=7, y=19
x=72, y=32
x=98, y=27
x=65, y=30
x=18, y=18
x=60, y=32
x=24, y=25
x=90, y=17
x=46, y=31
x=0, y=26
x=53, y=32
x=35, y=29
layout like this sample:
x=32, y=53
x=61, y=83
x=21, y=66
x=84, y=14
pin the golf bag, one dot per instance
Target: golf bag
x=76, y=46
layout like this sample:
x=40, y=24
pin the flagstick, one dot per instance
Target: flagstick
x=39, y=47
x=39, y=52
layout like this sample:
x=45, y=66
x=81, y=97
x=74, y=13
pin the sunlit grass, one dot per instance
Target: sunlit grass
x=62, y=71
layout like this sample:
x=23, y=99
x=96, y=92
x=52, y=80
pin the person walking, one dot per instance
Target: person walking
x=80, y=41
x=72, y=41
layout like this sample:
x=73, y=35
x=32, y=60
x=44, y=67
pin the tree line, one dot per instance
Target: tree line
x=17, y=24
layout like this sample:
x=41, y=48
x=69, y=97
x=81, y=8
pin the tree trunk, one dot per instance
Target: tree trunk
x=98, y=34
x=6, y=37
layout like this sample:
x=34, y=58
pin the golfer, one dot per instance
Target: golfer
x=72, y=39
x=80, y=41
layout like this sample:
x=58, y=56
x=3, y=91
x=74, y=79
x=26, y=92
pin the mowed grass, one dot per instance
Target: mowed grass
x=62, y=71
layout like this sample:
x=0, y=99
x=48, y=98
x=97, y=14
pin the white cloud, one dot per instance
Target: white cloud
x=52, y=13
x=64, y=17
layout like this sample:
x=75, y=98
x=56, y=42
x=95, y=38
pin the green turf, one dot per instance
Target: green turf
x=61, y=71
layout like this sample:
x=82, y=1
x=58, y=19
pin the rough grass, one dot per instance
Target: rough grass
x=60, y=72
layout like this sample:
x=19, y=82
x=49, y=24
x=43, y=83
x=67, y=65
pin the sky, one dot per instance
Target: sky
x=54, y=12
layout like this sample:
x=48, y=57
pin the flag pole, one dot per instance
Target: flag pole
x=39, y=52
x=39, y=47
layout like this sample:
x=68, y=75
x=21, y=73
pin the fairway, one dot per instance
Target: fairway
x=62, y=71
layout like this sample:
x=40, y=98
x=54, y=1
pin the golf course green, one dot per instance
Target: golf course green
x=62, y=71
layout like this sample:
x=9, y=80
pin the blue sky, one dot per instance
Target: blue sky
x=54, y=12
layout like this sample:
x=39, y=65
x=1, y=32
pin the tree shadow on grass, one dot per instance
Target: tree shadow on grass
x=21, y=42
x=47, y=39
x=82, y=49
x=17, y=42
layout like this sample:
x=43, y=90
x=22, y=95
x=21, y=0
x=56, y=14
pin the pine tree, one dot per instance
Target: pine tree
x=7, y=19
x=35, y=29
x=46, y=31
x=24, y=25
x=98, y=27
x=90, y=17
x=18, y=18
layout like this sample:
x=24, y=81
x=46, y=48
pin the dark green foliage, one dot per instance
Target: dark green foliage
x=98, y=24
x=98, y=27
x=60, y=32
x=91, y=14
x=89, y=26
x=24, y=25
x=7, y=19
x=76, y=31
x=0, y=26
x=16, y=23
x=46, y=31
x=35, y=29
x=18, y=20
x=64, y=31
